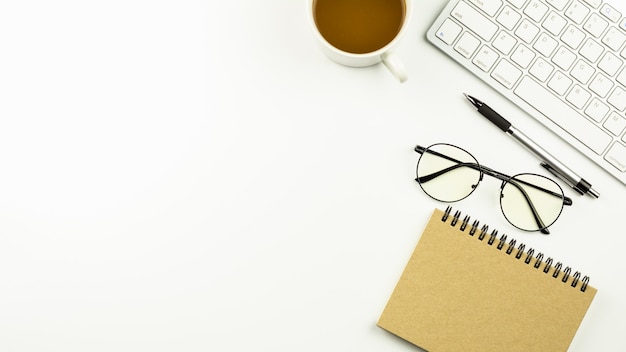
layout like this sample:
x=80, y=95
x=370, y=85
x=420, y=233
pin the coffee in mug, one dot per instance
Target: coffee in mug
x=359, y=26
x=361, y=33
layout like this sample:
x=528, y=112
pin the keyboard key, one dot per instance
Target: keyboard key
x=614, y=38
x=595, y=25
x=449, y=31
x=508, y=18
x=467, y=45
x=597, y=110
x=506, y=74
x=564, y=58
x=545, y=45
x=475, y=21
x=601, y=85
x=523, y=56
x=536, y=10
x=564, y=116
x=527, y=31
x=504, y=42
x=485, y=59
x=541, y=69
x=615, y=124
x=610, y=64
x=609, y=12
x=490, y=7
x=573, y=37
x=578, y=97
x=554, y=23
x=616, y=156
x=591, y=50
x=618, y=99
x=582, y=71
x=560, y=83
x=577, y=12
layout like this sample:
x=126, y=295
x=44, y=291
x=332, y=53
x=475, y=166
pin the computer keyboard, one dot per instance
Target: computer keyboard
x=562, y=61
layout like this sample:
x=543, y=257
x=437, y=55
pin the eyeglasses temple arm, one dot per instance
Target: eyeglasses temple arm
x=429, y=177
x=458, y=164
x=419, y=149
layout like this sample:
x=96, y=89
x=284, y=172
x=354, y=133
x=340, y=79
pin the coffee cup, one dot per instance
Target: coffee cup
x=360, y=33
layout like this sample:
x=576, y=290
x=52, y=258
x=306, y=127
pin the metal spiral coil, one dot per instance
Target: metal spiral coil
x=519, y=251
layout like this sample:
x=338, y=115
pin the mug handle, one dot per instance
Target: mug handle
x=395, y=66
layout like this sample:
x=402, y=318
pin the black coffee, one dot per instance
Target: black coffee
x=359, y=26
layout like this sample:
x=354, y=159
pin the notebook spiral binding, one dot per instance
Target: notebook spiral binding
x=528, y=254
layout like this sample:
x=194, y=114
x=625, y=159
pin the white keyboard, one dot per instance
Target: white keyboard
x=562, y=61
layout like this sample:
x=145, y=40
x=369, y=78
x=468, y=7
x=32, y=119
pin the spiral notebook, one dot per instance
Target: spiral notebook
x=468, y=289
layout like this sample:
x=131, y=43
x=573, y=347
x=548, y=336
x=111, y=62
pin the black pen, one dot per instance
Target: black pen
x=548, y=161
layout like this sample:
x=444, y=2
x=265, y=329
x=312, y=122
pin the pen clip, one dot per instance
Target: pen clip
x=558, y=175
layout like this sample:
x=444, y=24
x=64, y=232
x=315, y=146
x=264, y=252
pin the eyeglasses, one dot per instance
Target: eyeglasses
x=529, y=202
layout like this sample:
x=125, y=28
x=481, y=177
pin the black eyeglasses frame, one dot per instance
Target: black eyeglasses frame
x=496, y=174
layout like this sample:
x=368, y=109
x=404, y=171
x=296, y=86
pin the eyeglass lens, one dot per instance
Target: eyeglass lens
x=447, y=173
x=526, y=196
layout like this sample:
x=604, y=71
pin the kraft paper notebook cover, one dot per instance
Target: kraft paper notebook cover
x=466, y=289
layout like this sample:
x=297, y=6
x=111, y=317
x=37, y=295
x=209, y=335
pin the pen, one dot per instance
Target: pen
x=549, y=162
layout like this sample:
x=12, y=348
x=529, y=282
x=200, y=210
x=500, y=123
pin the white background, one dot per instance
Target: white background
x=197, y=176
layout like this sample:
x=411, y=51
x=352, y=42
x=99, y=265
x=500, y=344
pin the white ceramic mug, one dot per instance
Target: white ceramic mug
x=384, y=54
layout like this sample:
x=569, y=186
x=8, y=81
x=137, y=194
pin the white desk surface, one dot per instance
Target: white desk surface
x=197, y=176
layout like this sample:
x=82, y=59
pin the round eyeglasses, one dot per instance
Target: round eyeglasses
x=528, y=201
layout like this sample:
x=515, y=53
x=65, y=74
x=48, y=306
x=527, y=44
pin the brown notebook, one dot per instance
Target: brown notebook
x=468, y=289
